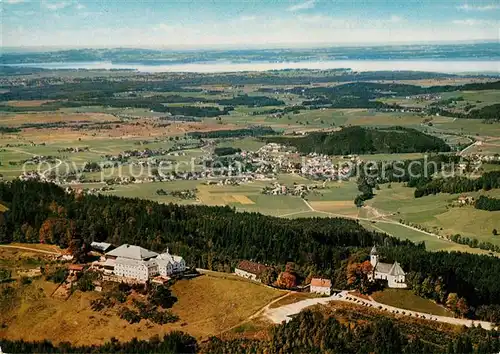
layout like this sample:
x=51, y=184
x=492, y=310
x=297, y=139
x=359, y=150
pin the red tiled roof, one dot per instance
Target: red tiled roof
x=324, y=283
x=77, y=267
x=252, y=267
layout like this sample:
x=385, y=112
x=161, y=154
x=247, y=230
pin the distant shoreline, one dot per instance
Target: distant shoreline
x=463, y=66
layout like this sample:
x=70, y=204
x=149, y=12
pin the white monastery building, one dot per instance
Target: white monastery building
x=393, y=273
x=138, y=263
x=321, y=286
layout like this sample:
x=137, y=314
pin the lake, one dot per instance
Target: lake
x=442, y=66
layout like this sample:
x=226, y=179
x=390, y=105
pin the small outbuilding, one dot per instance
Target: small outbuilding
x=250, y=270
x=321, y=286
x=75, y=269
x=101, y=247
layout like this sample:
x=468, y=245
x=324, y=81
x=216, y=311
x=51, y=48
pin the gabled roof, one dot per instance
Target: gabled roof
x=132, y=252
x=252, y=267
x=101, y=246
x=396, y=270
x=324, y=283
x=383, y=267
x=166, y=258
x=374, y=251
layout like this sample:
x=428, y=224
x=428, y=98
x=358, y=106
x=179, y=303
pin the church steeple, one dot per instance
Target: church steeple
x=374, y=256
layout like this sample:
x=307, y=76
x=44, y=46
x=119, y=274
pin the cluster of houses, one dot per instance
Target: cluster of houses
x=146, y=153
x=465, y=200
x=392, y=273
x=300, y=190
x=132, y=263
x=268, y=161
x=74, y=149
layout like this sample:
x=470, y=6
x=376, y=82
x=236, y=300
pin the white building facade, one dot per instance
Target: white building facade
x=169, y=264
x=140, y=264
x=393, y=273
x=321, y=286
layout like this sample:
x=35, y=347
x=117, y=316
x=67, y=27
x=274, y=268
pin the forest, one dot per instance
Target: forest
x=234, y=133
x=218, y=237
x=172, y=343
x=360, y=140
x=457, y=184
x=309, y=332
x=85, y=89
x=487, y=203
x=490, y=112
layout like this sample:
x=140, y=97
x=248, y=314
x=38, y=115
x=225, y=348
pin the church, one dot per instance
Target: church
x=393, y=273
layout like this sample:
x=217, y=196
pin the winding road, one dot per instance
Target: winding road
x=285, y=313
x=379, y=219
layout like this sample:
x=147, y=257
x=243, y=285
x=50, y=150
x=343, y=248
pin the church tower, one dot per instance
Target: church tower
x=374, y=257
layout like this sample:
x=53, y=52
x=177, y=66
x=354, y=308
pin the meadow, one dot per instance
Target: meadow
x=207, y=305
x=406, y=299
x=437, y=213
x=142, y=128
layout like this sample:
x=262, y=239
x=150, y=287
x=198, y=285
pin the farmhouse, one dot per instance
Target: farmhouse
x=393, y=273
x=250, y=270
x=321, y=286
x=138, y=263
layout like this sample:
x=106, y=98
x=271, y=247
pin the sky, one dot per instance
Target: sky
x=244, y=23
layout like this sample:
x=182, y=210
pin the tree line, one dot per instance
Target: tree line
x=218, y=237
x=359, y=140
x=487, y=203
x=207, y=237
x=453, y=185
x=491, y=112
x=233, y=133
x=311, y=331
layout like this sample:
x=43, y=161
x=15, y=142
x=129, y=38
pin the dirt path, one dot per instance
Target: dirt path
x=468, y=147
x=379, y=219
x=21, y=151
x=31, y=249
x=284, y=313
x=256, y=314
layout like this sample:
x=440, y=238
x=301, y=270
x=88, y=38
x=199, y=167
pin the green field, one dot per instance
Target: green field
x=435, y=213
x=249, y=144
x=406, y=299
x=432, y=243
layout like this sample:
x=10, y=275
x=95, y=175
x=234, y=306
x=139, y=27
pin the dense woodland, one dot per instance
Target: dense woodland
x=172, y=343
x=359, y=140
x=103, y=91
x=413, y=172
x=486, y=203
x=491, y=113
x=218, y=237
x=313, y=332
x=309, y=332
x=234, y=133
x=452, y=185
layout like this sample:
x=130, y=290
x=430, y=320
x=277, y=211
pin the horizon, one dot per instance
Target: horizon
x=295, y=47
x=263, y=24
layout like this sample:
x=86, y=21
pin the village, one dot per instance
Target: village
x=268, y=161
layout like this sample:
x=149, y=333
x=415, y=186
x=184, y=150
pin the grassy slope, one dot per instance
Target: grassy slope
x=206, y=306
x=407, y=300
x=434, y=213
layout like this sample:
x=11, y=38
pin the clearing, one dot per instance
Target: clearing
x=405, y=299
x=207, y=305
